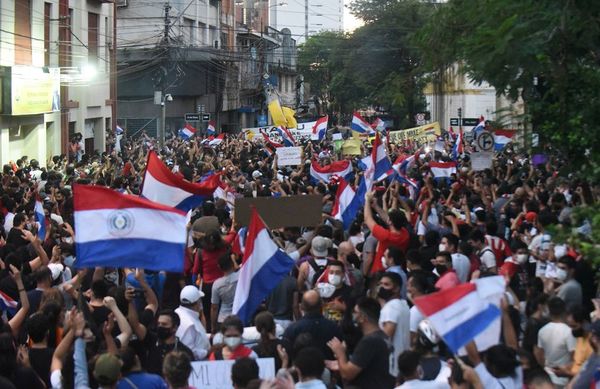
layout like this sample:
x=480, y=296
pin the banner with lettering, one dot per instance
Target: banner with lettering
x=422, y=134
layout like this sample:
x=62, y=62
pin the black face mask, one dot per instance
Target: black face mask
x=197, y=243
x=578, y=333
x=385, y=294
x=441, y=269
x=163, y=333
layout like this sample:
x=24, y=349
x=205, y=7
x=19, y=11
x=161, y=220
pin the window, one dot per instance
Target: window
x=92, y=37
x=23, y=32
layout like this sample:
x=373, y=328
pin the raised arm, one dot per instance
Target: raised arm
x=17, y=321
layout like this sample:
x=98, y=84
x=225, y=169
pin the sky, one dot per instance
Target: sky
x=350, y=22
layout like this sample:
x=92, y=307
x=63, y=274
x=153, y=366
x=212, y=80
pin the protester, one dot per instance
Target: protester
x=402, y=240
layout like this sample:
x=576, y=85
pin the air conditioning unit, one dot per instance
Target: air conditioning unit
x=122, y=3
x=216, y=44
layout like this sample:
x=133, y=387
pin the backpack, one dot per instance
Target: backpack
x=319, y=270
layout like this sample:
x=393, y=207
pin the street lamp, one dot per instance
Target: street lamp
x=162, y=129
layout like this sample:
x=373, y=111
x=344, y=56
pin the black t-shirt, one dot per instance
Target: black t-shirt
x=154, y=353
x=100, y=315
x=372, y=355
x=281, y=301
x=268, y=349
x=530, y=336
x=40, y=359
x=25, y=377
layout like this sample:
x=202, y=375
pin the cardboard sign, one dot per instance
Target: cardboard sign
x=289, y=211
x=217, y=374
x=481, y=160
x=421, y=134
x=337, y=136
x=289, y=156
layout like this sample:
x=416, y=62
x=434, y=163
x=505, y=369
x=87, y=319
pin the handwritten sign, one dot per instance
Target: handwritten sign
x=481, y=160
x=217, y=374
x=289, y=156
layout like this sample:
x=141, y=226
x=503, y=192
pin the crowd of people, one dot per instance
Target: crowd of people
x=343, y=317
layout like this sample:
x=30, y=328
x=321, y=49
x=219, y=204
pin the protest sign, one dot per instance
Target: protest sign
x=421, y=134
x=300, y=133
x=289, y=211
x=337, y=136
x=289, y=156
x=217, y=374
x=481, y=160
x=351, y=147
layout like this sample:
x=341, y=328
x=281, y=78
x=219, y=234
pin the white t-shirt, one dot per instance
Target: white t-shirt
x=558, y=344
x=488, y=381
x=396, y=311
x=487, y=257
x=420, y=384
x=462, y=266
x=415, y=318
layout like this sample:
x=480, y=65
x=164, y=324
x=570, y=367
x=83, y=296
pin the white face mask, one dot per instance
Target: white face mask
x=334, y=279
x=561, y=274
x=522, y=258
x=442, y=247
x=232, y=341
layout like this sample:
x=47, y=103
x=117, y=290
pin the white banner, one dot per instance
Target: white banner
x=481, y=160
x=217, y=374
x=302, y=132
x=289, y=156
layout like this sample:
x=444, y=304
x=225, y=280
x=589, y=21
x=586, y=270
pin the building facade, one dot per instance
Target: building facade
x=56, y=59
x=306, y=17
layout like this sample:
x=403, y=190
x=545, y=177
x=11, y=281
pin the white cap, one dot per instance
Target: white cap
x=56, y=269
x=57, y=218
x=256, y=174
x=190, y=295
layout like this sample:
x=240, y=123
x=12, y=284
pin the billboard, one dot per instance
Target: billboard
x=34, y=90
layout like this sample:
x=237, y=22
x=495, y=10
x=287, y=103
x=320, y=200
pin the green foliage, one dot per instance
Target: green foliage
x=377, y=64
x=587, y=243
x=545, y=51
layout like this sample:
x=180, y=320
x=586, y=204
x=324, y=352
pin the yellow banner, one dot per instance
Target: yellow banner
x=34, y=90
x=422, y=134
x=351, y=147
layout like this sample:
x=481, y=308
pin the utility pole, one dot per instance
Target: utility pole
x=64, y=61
x=167, y=23
x=305, y=20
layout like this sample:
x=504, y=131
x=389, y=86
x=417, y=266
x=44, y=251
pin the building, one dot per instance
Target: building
x=306, y=17
x=452, y=90
x=212, y=58
x=55, y=76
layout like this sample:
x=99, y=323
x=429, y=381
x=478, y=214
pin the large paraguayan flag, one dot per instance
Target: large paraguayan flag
x=360, y=125
x=345, y=207
x=381, y=161
x=458, y=314
x=442, y=169
x=320, y=173
x=502, y=138
x=8, y=304
x=211, y=129
x=286, y=137
x=162, y=186
x=118, y=230
x=263, y=267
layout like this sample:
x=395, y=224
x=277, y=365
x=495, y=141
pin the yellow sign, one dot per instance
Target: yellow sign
x=352, y=147
x=422, y=134
x=34, y=90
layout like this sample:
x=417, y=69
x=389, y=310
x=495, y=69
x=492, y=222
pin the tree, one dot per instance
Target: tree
x=545, y=51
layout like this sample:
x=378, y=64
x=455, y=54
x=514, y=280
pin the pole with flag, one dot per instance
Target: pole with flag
x=263, y=267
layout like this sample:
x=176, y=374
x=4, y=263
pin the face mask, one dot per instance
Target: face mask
x=384, y=262
x=385, y=294
x=355, y=320
x=442, y=247
x=28, y=226
x=522, y=258
x=163, y=333
x=561, y=274
x=578, y=333
x=68, y=240
x=232, y=341
x=441, y=269
x=334, y=279
x=69, y=260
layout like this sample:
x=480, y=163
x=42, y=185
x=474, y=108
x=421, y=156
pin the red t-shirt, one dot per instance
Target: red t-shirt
x=210, y=259
x=387, y=238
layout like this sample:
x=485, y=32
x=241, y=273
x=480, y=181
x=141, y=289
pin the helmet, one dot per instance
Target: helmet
x=426, y=335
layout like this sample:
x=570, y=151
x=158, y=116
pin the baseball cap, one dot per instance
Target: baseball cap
x=206, y=224
x=107, y=369
x=256, y=174
x=56, y=269
x=190, y=295
x=320, y=246
x=530, y=216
